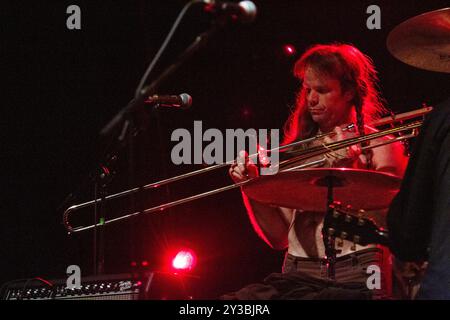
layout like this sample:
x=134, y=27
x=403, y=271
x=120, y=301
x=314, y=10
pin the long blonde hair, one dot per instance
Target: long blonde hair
x=354, y=70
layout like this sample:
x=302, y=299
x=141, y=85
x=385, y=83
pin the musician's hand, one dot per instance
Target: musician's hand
x=345, y=154
x=410, y=270
x=243, y=168
x=409, y=276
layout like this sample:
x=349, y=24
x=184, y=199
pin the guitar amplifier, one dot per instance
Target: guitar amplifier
x=148, y=286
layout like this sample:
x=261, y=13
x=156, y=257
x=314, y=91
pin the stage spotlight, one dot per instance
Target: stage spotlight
x=184, y=260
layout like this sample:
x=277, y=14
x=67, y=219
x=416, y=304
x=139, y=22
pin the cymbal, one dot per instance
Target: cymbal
x=307, y=189
x=423, y=41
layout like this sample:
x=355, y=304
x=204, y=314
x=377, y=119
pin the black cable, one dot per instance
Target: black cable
x=164, y=45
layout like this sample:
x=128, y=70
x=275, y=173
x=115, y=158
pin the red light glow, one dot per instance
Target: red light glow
x=289, y=49
x=246, y=112
x=184, y=260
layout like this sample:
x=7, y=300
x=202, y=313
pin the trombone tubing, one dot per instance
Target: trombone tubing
x=303, y=155
x=333, y=146
x=383, y=121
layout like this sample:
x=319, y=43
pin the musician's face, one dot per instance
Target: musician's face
x=328, y=105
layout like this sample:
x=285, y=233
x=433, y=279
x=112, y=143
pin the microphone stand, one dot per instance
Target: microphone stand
x=124, y=121
x=99, y=218
x=138, y=101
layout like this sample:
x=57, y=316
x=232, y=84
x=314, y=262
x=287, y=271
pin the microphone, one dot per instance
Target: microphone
x=244, y=11
x=182, y=101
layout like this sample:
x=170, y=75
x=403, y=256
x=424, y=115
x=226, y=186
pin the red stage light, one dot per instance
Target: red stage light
x=289, y=50
x=246, y=112
x=184, y=260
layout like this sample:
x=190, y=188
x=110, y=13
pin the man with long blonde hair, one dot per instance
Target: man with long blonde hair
x=338, y=87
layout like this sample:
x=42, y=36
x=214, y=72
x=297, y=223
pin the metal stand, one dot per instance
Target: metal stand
x=329, y=240
x=119, y=132
x=102, y=181
x=139, y=100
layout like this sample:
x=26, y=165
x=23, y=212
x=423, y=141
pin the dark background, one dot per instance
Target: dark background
x=60, y=87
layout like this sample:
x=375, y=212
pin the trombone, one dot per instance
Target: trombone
x=296, y=162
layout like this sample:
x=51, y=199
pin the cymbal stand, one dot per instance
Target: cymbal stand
x=330, y=182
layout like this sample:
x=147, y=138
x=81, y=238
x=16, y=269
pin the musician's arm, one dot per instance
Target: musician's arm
x=390, y=158
x=270, y=223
